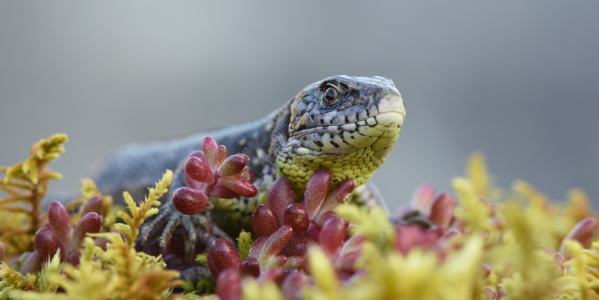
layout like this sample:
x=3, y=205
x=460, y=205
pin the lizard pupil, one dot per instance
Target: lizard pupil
x=330, y=95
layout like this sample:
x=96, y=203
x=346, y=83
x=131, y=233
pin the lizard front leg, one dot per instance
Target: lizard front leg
x=193, y=229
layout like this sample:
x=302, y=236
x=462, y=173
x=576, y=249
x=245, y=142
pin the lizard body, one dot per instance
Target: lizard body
x=347, y=124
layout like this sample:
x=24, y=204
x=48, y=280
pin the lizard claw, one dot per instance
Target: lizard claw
x=192, y=229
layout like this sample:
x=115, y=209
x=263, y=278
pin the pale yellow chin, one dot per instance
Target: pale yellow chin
x=392, y=103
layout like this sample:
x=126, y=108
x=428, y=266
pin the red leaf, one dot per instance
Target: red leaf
x=316, y=189
x=280, y=196
x=190, y=201
x=222, y=255
x=197, y=170
x=233, y=165
x=94, y=204
x=90, y=223
x=332, y=235
x=60, y=222
x=296, y=217
x=264, y=221
x=228, y=285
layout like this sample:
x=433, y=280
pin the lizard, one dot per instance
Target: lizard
x=347, y=124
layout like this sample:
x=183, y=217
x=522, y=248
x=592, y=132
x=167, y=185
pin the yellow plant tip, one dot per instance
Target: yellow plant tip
x=106, y=203
x=162, y=185
x=41, y=153
x=474, y=212
x=530, y=194
x=468, y=260
x=54, y=263
x=13, y=281
x=477, y=174
x=270, y=291
x=370, y=258
x=188, y=286
x=202, y=258
x=529, y=239
x=371, y=222
x=30, y=169
x=197, y=297
x=578, y=205
x=266, y=291
x=54, y=175
x=89, y=246
x=51, y=145
x=51, y=273
x=245, y=243
x=130, y=202
x=323, y=272
x=89, y=189
x=152, y=211
x=251, y=290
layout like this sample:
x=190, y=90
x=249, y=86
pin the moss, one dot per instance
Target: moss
x=492, y=244
x=26, y=184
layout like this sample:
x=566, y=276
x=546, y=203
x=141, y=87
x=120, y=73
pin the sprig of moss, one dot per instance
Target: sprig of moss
x=474, y=212
x=372, y=223
x=244, y=242
x=26, y=184
x=13, y=281
x=146, y=208
x=13, y=284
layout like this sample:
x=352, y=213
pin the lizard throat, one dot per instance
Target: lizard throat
x=353, y=150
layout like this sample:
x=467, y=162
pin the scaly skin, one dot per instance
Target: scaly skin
x=347, y=124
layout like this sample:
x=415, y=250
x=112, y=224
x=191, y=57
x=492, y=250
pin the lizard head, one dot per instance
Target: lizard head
x=348, y=124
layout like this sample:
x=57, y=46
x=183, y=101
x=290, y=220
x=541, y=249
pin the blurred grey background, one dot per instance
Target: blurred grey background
x=517, y=80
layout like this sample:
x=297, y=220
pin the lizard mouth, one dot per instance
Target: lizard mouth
x=379, y=122
x=379, y=132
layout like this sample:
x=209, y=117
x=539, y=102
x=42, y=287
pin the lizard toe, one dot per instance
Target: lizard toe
x=190, y=241
x=196, y=231
x=149, y=228
x=167, y=232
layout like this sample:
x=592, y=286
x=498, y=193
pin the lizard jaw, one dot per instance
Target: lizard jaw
x=379, y=131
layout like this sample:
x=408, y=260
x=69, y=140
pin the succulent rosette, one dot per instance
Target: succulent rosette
x=60, y=235
x=210, y=173
x=286, y=231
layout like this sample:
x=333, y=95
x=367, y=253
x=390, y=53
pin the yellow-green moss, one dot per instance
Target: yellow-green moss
x=515, y=234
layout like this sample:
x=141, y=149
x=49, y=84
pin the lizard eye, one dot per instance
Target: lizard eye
x=330, y=95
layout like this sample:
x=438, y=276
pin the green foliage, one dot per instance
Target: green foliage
x=244, y=242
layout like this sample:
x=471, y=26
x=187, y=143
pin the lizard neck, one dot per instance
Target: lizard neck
x=280, y=130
